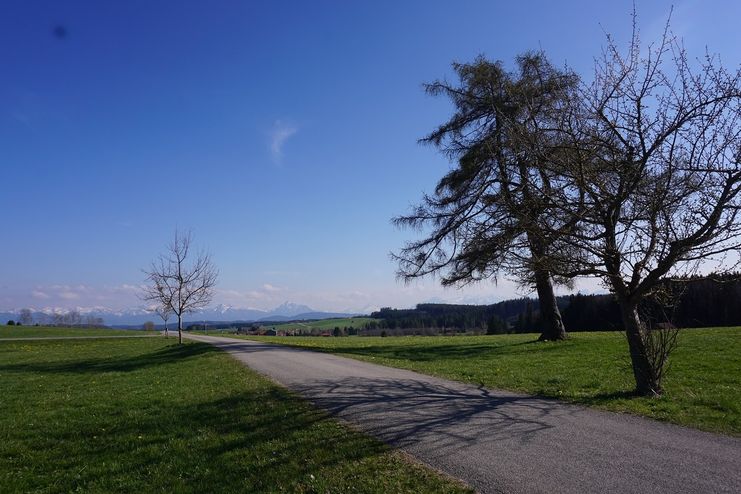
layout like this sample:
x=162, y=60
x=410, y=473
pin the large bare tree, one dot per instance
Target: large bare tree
x=181, y=281
x=489, y=216
x=653, y=179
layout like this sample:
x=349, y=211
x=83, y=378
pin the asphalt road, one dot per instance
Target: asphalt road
x=497, y=441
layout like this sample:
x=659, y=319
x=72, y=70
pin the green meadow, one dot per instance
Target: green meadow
x=52, y=332
x=148, y=415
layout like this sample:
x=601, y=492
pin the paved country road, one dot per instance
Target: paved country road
x=497, y=441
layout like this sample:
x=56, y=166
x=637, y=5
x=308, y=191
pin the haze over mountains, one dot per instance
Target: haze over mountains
x=139, y=315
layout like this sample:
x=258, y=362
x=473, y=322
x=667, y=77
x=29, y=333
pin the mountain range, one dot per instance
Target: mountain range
x=219, y=313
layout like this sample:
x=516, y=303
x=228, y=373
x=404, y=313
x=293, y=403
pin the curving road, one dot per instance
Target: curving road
x=497, y=441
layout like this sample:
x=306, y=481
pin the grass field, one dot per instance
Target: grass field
x=43, y=331
x=325, y=324
x=304, y=326
x=147, y=415
x=702, y=388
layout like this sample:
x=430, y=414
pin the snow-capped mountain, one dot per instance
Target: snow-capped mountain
x=289, y=309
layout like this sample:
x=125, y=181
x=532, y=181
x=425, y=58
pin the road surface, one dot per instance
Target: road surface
x=498, y=441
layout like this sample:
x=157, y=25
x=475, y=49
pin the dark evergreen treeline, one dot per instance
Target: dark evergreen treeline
x=518, y=315
x=689, y=303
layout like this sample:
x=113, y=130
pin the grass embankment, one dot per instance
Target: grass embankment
x=51, y=332
x=702, y=387
x=147, y=415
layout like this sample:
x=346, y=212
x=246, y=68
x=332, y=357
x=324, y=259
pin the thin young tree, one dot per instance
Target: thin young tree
x=656, y=188
x=489, y=216
x=181, y=281
x=164, y=311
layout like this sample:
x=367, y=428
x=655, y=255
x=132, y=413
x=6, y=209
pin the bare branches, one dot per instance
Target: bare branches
x=655, y=186
x=663, y=177
x=492, y=213
x=178, y=286
x=633, y=178
x=486, y=212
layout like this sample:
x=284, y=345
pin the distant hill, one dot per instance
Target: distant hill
x=220, y=313
x=308, y=316
x=712, y=301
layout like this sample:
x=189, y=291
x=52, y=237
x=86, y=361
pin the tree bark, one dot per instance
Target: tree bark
x=647, y=382
x=180, y=329
x=553, y=328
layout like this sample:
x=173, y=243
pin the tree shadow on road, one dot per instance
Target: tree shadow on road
x=407, y=412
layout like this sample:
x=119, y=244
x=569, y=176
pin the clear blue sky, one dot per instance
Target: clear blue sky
x=283, y=134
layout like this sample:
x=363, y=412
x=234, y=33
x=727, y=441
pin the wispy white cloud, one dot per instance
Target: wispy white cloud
x=64, y=295
x=270, y=288
x=279, y=134
x=69, y=295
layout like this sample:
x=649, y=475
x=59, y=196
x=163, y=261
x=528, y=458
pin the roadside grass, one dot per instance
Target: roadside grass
x=44, y=331
x=325, y=324
x=702, y=387
x=148, y=415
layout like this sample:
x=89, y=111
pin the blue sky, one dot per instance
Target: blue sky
x=283, y=134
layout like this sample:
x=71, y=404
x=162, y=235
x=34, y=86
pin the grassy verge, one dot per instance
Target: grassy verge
x=702, y=388
x=49, y=332
x=146, y=415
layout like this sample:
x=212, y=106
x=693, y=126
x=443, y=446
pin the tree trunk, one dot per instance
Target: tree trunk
x=180, y=329
x=553, y=328
x=647, y=381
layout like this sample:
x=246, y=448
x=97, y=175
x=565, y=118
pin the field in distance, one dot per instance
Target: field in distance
x=702, y=387
x=149, y=415
x=324, y=324
x=50, y=332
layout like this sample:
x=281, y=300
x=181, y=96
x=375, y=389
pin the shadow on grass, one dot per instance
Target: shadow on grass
x=241, y=435
x=605, y=398
x=262, y=440
x=169, y=354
